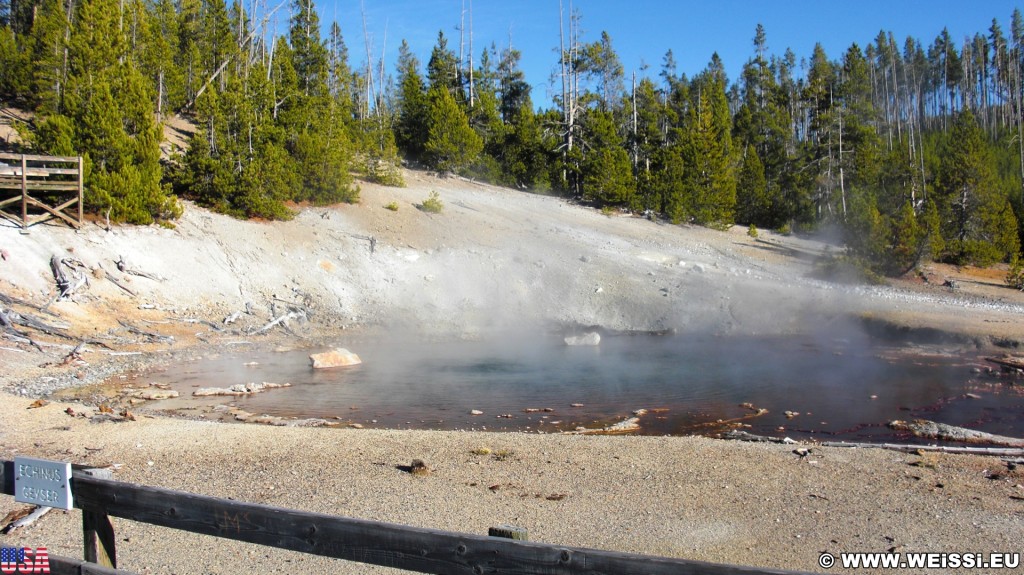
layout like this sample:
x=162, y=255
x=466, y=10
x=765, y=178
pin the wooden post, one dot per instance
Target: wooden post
x=509, y=532
x=81, y=191
x=24, y=194
x=98, y=531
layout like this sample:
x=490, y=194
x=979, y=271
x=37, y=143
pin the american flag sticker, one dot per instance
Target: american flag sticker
x=24, y=560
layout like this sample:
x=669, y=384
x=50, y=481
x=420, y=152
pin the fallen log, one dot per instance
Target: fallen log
x=24, y=519
x=63, y=283
x=122, y=266
x=35, y=323
x=238, y=390
x=114, y=281
x=932, y=430
x=207, y=323
x=14, y=333
x=1008, y=362
x=739, y=435
x=10, y=301
x=282, y=319
x=132, y=329
x=908, y=448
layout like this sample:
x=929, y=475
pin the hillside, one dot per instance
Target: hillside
x=493, y=260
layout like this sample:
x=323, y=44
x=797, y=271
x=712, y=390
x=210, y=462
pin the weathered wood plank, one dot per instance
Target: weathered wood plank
x=60, y=565
x=39, y=186
x=37, y=172
x=53, y=212
x=410, y=548
x=33, y=158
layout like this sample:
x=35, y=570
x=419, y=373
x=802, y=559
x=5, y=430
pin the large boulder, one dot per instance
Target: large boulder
x=339, y=357
x=589, y=338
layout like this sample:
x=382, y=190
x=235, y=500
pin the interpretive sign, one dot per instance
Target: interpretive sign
x=42, y=482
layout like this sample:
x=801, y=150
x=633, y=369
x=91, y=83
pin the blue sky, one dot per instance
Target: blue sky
x=643, y=30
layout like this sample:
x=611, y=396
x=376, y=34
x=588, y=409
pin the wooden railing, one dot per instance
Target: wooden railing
x=38, y=175
x=360, y=540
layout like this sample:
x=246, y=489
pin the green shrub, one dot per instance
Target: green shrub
x=384, y=171
x=752, y=231
x=433, y=204
x=1015, y=277
x=393, y=206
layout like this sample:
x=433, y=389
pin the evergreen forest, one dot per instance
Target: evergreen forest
x=911, y=149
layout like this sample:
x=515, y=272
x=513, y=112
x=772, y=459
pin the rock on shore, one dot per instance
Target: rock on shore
x=339, y=357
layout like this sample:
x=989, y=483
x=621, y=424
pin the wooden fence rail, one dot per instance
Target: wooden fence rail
x=360, y=540
x=29, y=174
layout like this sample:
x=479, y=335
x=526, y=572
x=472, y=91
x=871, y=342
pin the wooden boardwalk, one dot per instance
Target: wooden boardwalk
x=40, y=188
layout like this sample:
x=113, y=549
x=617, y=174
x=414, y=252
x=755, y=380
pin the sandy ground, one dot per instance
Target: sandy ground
x=493, y=260
x=697, y=498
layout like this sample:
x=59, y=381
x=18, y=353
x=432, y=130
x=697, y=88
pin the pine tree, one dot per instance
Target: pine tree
x=451, y=143
x=753, y=205
x=411, y=125
x=110, y=105
x=51, y=29
x=710, y=185
x=512, y=85
x=443, y=70
x=15, y=66
x=607, y=173
x=522, y=152
x=314, y=125
x=979, y=223
x=309, y=54
x=647, y=135
x=158, y=58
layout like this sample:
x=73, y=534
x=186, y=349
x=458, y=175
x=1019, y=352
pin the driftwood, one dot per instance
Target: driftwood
x=66, y=287
x=114, y=281
x=903, y=447
x=10, y=301
x=13, y=333
x=908, y=448
x=932, y=430
x=239, y=390
x=35, y=323
x=122, y=266
x=1008, y=362
x=207, y=323
x=739, y=435
x=283, y=320
x=24, y=519
x=63, y=284
x=156, y=336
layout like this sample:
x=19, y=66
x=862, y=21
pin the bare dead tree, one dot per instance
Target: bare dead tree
x=370, y=96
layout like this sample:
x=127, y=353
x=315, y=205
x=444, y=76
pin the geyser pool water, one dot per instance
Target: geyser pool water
x=841, y=389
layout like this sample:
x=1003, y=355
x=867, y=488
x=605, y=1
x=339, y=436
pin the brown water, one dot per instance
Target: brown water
x=843, y=389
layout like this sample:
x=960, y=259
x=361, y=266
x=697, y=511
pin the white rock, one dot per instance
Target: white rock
x=590, y=338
